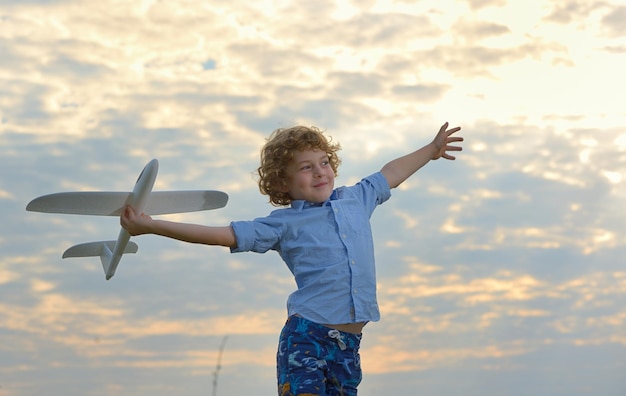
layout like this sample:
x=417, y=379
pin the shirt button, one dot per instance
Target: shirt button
x=355, y=291
x=352, y=262
x=343, y=236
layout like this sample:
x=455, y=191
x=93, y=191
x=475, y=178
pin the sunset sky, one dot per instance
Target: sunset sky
x=501, y=273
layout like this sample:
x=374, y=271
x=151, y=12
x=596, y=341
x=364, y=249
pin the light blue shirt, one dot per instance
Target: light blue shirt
x=328, y=247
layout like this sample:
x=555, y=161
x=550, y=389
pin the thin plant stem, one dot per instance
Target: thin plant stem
x=218, y=366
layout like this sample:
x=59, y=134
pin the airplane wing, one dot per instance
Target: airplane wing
x=165, y=202
x=111, y=203
x=92, y=249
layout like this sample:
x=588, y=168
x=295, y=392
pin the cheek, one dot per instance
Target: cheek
x=296, y=181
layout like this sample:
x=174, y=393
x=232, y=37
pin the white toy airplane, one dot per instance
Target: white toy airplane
x=112, y=203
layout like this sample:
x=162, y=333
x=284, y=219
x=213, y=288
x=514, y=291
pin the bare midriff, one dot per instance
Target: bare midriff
x=354, y=328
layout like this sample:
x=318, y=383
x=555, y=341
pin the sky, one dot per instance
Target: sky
x=501, y=273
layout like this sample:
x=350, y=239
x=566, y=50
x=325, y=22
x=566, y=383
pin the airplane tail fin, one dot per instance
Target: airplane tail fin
x=102, y=249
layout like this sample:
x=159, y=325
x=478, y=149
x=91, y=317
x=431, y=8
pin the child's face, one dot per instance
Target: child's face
x=310, y=176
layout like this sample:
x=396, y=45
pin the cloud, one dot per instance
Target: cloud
x=478, y=4
x=605, y=16
x=388, y=359
x=473, y=31
x=426, y=92
x=613, y=21
x=565, y=12
x=507, y=261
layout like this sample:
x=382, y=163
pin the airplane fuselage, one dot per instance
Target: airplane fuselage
x=137, y=199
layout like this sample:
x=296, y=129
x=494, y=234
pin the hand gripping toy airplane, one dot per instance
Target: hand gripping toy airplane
x=112, y=203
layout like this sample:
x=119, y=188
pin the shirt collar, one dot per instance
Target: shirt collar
x=301, y=204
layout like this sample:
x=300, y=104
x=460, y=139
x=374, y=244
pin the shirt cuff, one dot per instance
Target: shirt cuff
x=244, y=232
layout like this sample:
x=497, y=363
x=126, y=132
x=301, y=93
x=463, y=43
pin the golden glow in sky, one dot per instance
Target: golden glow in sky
x=503, y=270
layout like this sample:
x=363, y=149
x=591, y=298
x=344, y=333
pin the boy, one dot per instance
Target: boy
x=325, y=239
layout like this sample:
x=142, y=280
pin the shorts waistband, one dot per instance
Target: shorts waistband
x=301, y=325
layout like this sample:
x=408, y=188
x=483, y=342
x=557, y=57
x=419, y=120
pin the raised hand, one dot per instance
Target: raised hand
x=443, y=140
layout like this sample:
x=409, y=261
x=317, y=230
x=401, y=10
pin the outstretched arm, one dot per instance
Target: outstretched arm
x=137, y=224
x=399, y=169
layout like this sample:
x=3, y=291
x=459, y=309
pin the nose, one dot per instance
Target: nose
x=318, y=171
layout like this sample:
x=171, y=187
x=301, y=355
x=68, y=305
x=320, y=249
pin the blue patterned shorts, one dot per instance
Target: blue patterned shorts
x=316, y=360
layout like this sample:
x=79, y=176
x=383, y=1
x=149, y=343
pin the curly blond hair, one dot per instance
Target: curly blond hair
x=279, y=150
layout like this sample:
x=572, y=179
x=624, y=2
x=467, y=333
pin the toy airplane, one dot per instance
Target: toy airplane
x=112, y=203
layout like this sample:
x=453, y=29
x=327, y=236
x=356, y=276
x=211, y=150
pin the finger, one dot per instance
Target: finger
x=449, y=157
x=453, y=130
x=454, y=139
x=454, y=148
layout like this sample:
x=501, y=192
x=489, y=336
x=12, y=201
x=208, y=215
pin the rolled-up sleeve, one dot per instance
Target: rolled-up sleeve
x=258, y=235
x=372, y=191
x=381, y=186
